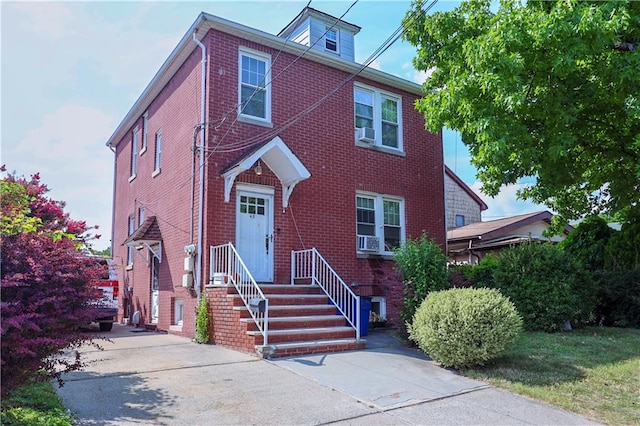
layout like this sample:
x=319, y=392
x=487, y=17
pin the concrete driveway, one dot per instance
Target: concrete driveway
x=153, y=378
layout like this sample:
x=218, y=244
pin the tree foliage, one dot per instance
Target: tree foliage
x=541, y=89
x=46, y=284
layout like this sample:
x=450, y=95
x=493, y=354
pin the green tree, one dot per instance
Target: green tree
x=539, y=89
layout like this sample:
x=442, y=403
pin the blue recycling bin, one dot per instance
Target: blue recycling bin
x=365, y=311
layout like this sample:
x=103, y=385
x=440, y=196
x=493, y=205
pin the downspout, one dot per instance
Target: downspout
x=113, y=197
x=198, y=280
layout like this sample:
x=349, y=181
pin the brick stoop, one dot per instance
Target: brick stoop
x=301, y=322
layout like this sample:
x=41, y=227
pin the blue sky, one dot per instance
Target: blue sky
x=70, y=71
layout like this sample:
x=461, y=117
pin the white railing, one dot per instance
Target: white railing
x=228, y=268
x=310, y=265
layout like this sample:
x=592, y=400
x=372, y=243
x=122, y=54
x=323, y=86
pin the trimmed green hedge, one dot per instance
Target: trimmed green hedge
x=462, y=327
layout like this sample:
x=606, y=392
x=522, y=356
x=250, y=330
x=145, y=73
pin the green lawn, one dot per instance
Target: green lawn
x=594, y=372
x=37, y=404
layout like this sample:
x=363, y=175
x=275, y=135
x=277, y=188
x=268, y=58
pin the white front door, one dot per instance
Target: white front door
x=155, y=289
x=254, y=233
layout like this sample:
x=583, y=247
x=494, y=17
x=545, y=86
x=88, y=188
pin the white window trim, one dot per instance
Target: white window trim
x=145, y=130
x=377, y=118
x=131, y=227
x=379, y=219
x=157, y=157
x=133, y=165
x=328, y=28
x=243, y=51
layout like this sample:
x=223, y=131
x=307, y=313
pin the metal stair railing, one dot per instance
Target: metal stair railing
x=227, y=267
x=310, y=265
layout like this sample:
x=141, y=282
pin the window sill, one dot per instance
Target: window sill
x=131, y=178
x=256, y=121
x=155, y=173
x=380, y=148
x=129, y=267
x=143, y=150
x=175, y=327
x=362, y=255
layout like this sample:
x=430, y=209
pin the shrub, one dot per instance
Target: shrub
x=547, y=285
x=619, y=298
x=423, y=267
x=202, y=320
x=462, y=327
x=46, y=285
x=482, y=274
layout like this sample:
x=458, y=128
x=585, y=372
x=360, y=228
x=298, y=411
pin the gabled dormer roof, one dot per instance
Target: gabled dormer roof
x=309, y=12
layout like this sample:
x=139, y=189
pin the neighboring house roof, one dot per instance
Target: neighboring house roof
x=495, y=229
x=465, y=188
x=199, y=30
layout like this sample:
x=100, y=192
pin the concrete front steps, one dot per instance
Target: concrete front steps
x=301, y=322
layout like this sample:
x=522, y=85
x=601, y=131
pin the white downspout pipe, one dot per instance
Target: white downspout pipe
x=198, y=280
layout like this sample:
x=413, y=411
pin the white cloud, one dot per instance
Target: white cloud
x=67, y=149
x=52, y=19
x=506, y=203
x=376, y=64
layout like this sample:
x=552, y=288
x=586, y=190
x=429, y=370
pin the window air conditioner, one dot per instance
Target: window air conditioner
x=368, y=243
x=366, y=134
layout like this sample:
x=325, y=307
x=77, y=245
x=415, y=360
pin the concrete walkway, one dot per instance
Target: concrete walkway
x=153, y=378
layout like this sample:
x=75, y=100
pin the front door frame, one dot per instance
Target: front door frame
x=262, y=192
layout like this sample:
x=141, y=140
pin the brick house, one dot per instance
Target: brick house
x=253, y=161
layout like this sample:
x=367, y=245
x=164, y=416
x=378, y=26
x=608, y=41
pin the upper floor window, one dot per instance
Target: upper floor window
x=158, y=148
x=145, y=129
x=459, y=220
x=331, y=39
x=134, y=153
x=379, y=223
x=254, y=86
x=131, y=227
x=377, y=118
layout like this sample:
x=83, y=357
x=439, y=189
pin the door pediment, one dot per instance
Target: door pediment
x=279, y=158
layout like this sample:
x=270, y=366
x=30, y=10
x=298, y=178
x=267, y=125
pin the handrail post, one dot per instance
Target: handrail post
x=293, y=266
x=313, y=266
x=358, y=317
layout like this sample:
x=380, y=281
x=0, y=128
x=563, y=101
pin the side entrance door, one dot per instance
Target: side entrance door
x=254, y=232
x=155, y=289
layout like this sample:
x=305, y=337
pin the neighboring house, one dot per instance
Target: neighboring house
x=253, y=160
x=463, y=206
x=470, y=243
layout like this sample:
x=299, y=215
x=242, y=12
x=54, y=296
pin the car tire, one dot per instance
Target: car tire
x=106, y=326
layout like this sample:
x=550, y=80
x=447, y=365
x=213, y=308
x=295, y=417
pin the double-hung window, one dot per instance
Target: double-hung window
x=377, y=118
x=254, y=86
x=331, y=39
x=379, y=223
x=145, y=129
x=134, y=153
x=131, y=227
x=158, y=157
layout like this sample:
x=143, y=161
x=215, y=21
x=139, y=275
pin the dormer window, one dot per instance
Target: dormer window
x=331, y=39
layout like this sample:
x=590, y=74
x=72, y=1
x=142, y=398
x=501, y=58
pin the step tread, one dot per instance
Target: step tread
x=304, y=330
x=299, y=318
x=313, y=343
